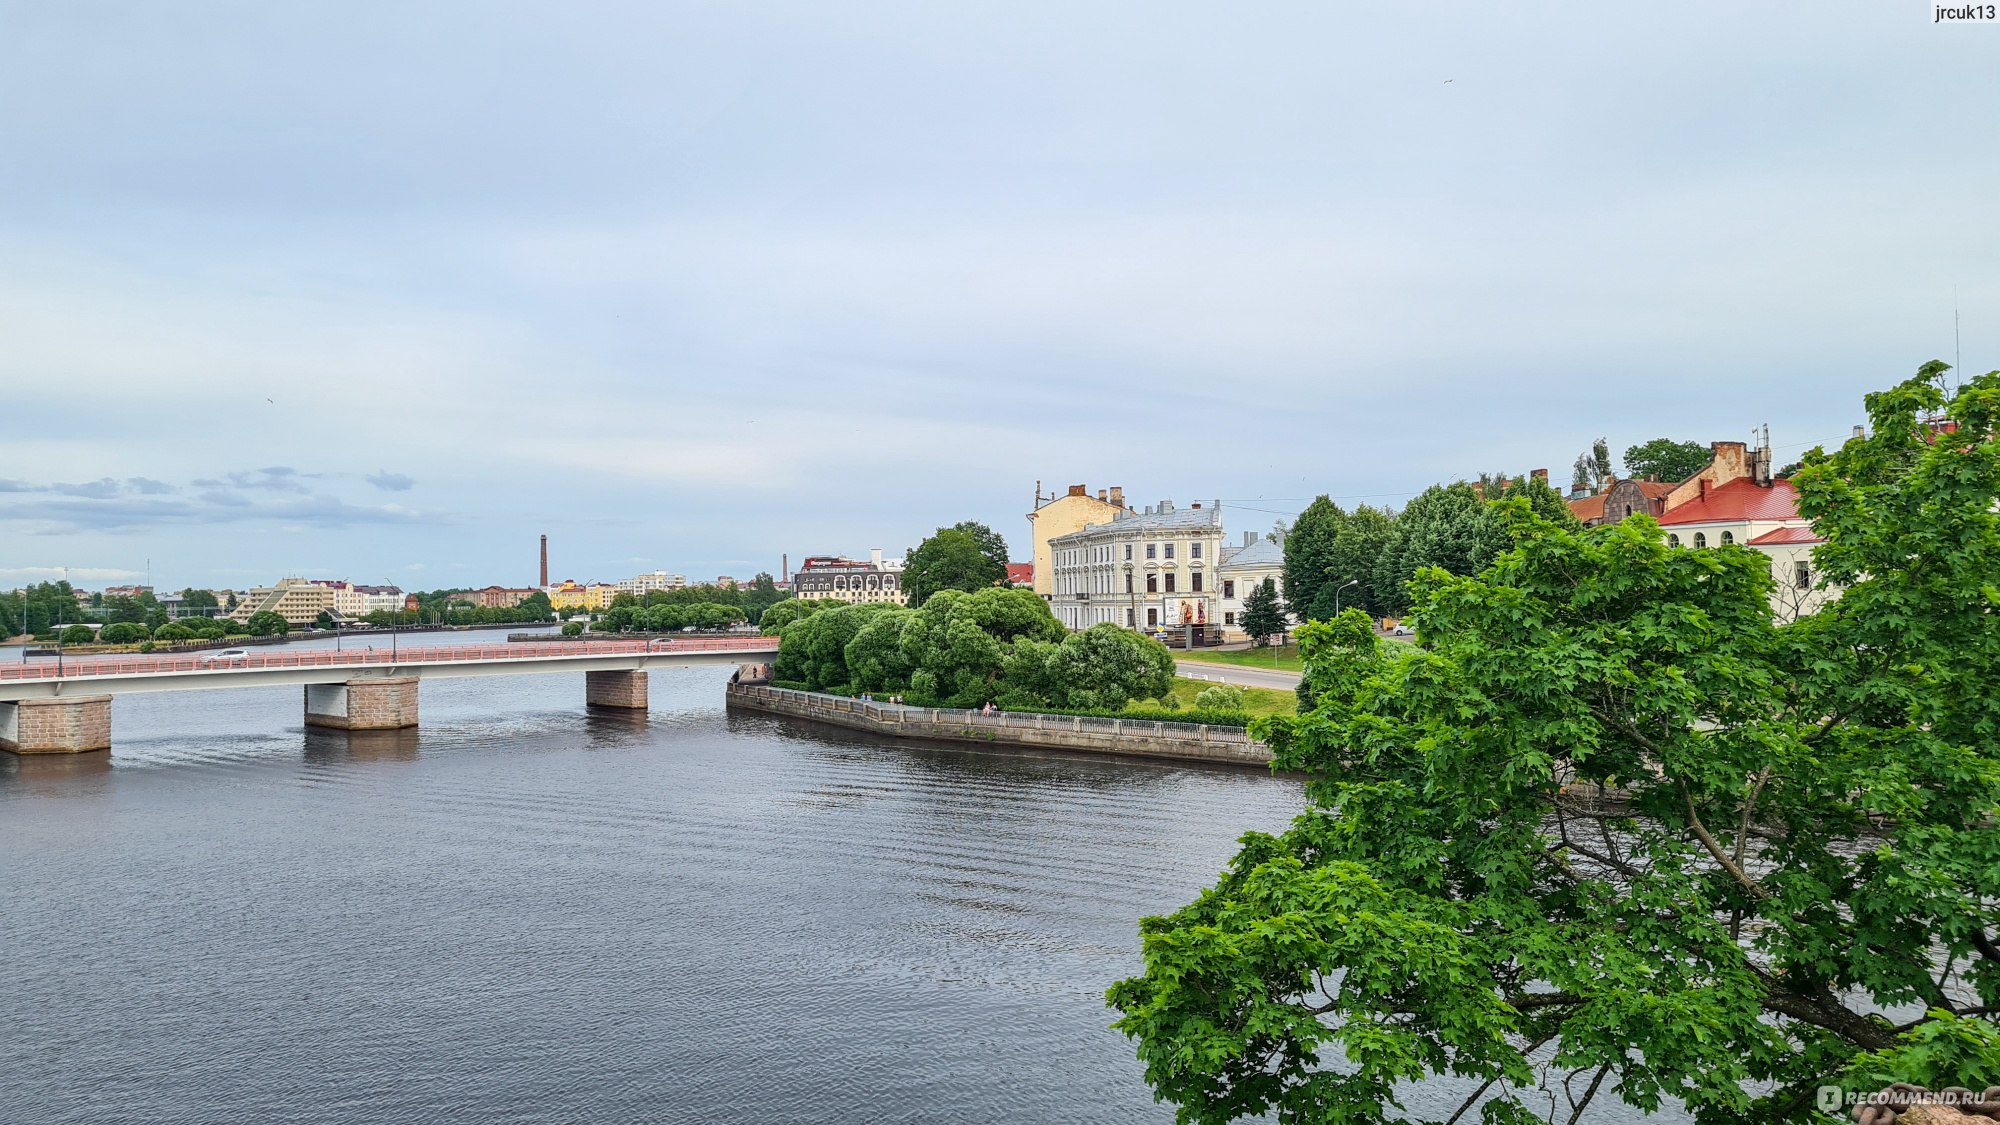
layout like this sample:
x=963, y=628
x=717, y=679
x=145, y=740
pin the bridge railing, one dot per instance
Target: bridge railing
x=47, y=668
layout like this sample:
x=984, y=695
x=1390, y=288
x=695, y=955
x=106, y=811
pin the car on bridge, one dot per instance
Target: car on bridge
x=226, y=656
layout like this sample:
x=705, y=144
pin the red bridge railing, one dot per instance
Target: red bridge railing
x=77, y=667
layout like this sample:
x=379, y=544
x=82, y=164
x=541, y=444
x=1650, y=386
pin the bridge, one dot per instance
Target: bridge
x=63, y=706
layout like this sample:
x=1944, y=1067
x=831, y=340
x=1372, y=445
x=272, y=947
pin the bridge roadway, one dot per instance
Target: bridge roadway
x=64, y=706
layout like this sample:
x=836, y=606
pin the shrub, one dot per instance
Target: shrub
x=78, y=635
x=123, y=633
x=1220, y=697
x=572, y=629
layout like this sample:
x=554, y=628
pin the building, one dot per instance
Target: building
x=347, y=599
x=296, y=600
x=642, y=584
x=1245, y=568
x=495, y=597
x=842, y=579
x=1735, y=499
x=572, y=594
x=1151, y=570
x=126, y=591
x=1021, y=576
x=1067, y=514
x=381, y=599
x=1619, y=499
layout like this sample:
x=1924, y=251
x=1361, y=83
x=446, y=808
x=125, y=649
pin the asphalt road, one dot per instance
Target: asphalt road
x=1237, y=674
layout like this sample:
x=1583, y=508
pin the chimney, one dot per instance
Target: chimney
x=1197, y=506
x=545, y=562
x=1078, y=490
x=1860, y=432
x=1249, y=539
x=1100, y=497
x=1541, y=475
x=1578, y=490
x=1118, y=495
x=1164, y=506
x=785, y=567
x=875, y=558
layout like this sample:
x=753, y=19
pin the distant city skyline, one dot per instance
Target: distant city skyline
x=691, y=288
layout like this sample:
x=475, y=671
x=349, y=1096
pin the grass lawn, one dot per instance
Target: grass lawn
x=1284, y=659
x=1257, y=701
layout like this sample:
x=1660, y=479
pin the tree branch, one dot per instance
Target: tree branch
x=1715, y=847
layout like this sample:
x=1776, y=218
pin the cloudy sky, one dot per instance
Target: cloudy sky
x=384, y=291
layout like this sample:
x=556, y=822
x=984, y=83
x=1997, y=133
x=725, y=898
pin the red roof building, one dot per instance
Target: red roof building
x=1021, y=574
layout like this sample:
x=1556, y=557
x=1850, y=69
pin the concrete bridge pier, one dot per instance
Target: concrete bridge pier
x=625, y=691
x=374, y=703
x=64, y=725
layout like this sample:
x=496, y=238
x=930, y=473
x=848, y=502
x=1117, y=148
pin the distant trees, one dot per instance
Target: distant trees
x=964, y=557
x=1309, y=559
x=1263, y=618
x=1666, y=459
x=968, y=649
x=192, y=598
x=123, y=633
x=37, y=609
x=78, y=635
x=1592, y=469
x=669, y=617
x=266, y=623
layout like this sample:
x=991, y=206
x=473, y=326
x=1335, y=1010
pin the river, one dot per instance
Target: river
x=525, y=913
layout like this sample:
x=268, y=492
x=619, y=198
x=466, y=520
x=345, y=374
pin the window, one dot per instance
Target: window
x=1170, y=582
x=1152, y=583
x=1673, y=540
x=1152, y=618
x=1728, y=537
x=1196, y=587
x=1128, y=619
x=1150, y=548
x=1229, y=619
x=1170, y=550
x=1228, y=588
x=1196, y=549
x=1128, y=588
x=1128, y=552
x=1700, y=539
x=1802, y=576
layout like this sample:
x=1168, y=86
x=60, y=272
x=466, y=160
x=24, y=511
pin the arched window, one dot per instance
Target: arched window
x=1728, y=537
x=1673, y=540
x=1700, y=539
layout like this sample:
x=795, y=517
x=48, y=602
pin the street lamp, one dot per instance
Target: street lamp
x=1337, y=593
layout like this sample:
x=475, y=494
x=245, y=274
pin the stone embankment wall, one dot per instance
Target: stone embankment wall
x=1196, y=742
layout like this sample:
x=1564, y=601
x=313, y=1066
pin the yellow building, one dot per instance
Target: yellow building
x=574, y=595
x=1067, y=515
x=296, y=600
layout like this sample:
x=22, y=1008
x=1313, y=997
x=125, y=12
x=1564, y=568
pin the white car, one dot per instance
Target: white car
x=226, y=656
x=1403, y=629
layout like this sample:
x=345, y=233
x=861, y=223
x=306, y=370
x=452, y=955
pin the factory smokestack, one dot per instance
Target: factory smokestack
x=545, y=562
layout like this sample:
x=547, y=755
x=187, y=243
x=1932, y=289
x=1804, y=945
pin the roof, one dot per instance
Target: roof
x=1785, y=535
x=1021, y=574
x=1736, y=501
x=1178, y=519
x=1590, y=508
x=1264, y=552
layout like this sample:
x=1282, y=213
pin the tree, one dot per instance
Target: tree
x=1219, y=697
x=1105, y=667
x=174, y=631
x=78, y=635
x=123, y=633
x=1666, y=459
x=1443, y=526
x=877, y=657
x=192, y=598
x=760, y=595
x=1593, y=467
x=1357, y=551
x=813, y=649
x=950, y=560
x=1262, y=618
x=957, y=647
x=1309, y=558
x=267, y=623
x=990, y=543
x=773, y=620
x=1618, y=831
x=324, y=620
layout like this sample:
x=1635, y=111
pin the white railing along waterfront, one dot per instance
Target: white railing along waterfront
x=1010, y=720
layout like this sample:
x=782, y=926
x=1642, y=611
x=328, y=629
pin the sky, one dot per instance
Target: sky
x=386, y=291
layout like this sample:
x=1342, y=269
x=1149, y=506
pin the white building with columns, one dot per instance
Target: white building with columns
x=1150, y=570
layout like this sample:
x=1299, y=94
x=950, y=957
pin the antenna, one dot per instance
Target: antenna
x=1954, y=332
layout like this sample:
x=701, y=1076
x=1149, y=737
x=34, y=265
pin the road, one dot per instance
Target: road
x=1238, y=674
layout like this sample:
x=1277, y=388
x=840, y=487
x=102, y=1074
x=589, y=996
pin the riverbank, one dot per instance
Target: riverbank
x=1195, y=742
